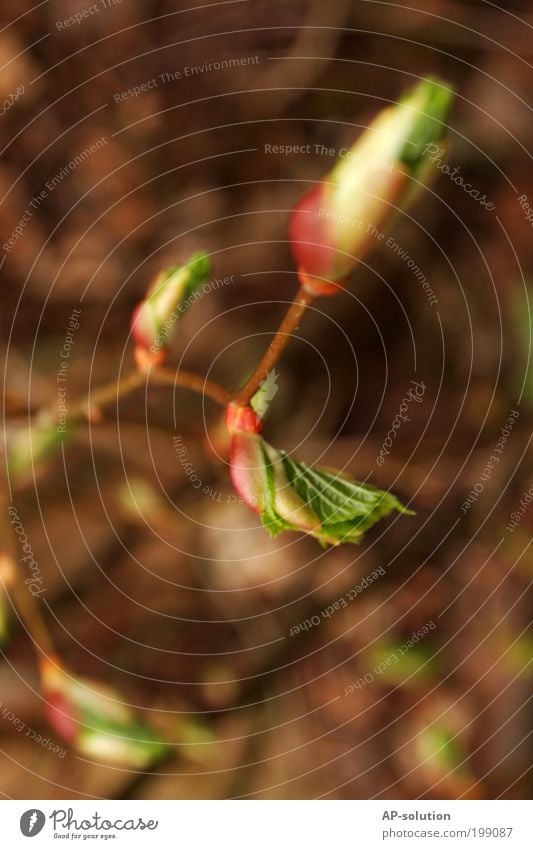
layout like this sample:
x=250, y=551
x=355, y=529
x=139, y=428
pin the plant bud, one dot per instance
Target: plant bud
x=154, y=321
x=339, y=220
x=94, y=719
x=248, y=470
x=30, y=443
x=242, y=419
x=291, y=496
x=139, y=502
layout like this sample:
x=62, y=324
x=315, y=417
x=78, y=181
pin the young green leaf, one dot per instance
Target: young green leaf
x=292, y=496
x=346, y=507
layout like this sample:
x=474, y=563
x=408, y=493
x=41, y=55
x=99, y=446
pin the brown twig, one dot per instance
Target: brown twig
x=290, y=323
x=25, y=603
x=90, y=406
x=109, y=393
x=32, y=616
x=194, y=382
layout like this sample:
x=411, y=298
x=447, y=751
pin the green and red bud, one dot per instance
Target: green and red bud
x=154, y=322
x=240, y=419
x=258, y=476
x=246, y=459
x=248, y=472
x=290, y=496
x=94, y=719
x=340, y=219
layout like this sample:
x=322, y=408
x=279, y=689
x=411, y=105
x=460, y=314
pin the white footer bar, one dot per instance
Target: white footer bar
x=267, y=824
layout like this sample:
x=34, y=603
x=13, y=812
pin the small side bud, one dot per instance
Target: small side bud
x=242, y=419
x=95, y=720
x=154, y=322
x=146, y=359
x=30, y=444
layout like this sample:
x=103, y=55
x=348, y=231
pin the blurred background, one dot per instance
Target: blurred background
x=138, y=133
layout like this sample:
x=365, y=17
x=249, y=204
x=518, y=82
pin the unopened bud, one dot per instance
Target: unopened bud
x=94, y=719
x=242, y=419
x=339, y=220
x=155, y=320
x=30, y=443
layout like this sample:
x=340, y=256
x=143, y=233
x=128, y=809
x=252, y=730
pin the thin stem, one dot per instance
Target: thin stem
x=32, y=616
x=133, y=380
x=107, y=394
x=25, y=602
x=274, y=352
x=110, y=392
x=194, y=382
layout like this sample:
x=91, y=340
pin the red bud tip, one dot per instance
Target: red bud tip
x=145, y=359
x=242, y=420
x=317, y=287
x=62, y=716
x=141, y=326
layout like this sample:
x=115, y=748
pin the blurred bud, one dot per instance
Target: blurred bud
x=195, y=741
x=291, y=496
x=402, y=664
x=339, y=220
x=443, y=760
x=29, y=444
x=139, y=502
x=154, y=322
x=7, y=579
x=94, y=719
x=432, y=745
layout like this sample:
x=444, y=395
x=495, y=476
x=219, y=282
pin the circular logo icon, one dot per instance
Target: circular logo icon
x=32, y=822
